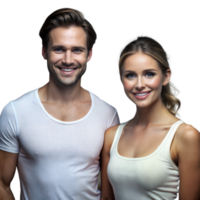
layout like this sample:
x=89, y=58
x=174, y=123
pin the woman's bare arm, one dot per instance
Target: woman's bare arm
x=188, y=149
x=106, y=188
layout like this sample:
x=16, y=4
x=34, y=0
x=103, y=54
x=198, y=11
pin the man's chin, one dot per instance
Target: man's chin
x=68, y=83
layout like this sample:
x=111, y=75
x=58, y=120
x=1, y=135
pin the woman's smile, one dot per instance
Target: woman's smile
x=142, y=79
x=141, y=95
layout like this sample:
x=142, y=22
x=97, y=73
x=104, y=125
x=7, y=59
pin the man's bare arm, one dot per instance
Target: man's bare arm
x=8, y=163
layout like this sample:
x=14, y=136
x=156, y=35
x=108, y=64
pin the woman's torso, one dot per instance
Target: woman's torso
x=150, y=177
x=139, y=140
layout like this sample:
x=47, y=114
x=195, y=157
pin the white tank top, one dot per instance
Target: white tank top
x=151, y=177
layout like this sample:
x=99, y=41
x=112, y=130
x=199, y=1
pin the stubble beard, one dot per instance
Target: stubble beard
x=58, y=81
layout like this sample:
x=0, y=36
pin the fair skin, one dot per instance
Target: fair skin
x=67, y=50
x=142, y=79
x=62, y=97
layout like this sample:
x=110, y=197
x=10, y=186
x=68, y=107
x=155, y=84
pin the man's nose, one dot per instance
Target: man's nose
x=68, y=58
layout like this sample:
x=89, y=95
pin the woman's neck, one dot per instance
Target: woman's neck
x=156, y=113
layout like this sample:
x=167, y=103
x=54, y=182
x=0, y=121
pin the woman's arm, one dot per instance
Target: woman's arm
x=188, y=149
x=106, y=188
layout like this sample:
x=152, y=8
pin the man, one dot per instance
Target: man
x=54, y=135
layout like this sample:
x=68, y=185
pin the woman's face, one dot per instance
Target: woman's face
x=143, y=79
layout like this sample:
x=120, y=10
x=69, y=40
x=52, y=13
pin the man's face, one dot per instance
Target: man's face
x=66, y=55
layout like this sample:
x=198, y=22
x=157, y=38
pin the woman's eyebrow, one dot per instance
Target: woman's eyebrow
x=147, y=70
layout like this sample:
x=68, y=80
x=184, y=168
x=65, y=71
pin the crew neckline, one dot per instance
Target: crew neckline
x=65, y=122
x=148, y=156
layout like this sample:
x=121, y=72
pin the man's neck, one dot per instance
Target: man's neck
x=54, y=93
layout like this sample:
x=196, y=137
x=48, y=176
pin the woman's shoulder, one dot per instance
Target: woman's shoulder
x=110, y=133
x=187, y=132
x=187, y=135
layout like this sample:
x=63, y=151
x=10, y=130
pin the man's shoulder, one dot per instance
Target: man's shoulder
x=101, y=104
x=20, y=102
x=25, y=97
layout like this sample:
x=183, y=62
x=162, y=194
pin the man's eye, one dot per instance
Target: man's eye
x=77, y=50
x=58, y=50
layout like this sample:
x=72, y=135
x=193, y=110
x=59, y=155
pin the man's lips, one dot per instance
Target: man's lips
x=67, y=71
x=67, y=68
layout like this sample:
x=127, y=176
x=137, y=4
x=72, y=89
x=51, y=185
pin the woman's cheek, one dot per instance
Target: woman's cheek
x=128, y=85
x=155, y=83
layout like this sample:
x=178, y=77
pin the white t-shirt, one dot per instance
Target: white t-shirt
x=57, y=160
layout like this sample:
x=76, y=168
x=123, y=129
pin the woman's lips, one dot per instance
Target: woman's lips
x=142, y=96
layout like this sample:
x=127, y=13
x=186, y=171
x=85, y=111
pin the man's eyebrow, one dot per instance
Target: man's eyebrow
x=79, y=47
x=62, y=47
x=147, y=70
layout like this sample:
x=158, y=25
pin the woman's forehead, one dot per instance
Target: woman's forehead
x=140, y=62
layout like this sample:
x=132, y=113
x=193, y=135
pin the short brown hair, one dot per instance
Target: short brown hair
x=152, y=48
x=67, y=17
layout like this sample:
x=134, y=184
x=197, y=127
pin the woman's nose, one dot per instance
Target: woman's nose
x=140, y=83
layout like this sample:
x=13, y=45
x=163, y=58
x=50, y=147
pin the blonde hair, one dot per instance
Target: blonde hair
x=152, y=48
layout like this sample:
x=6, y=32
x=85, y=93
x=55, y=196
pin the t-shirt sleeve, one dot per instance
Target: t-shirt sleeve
x=9, y=130
x=115, y=120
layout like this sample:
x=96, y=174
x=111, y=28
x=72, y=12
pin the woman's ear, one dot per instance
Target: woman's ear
x=167, y=77
x=120, y=78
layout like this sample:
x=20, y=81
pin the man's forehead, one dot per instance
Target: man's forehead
x=72, y=35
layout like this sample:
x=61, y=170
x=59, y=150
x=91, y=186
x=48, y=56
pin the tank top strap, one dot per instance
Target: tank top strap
x=172, y=131
x=117, y=136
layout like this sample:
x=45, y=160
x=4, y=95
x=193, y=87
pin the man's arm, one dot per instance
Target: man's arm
x=8, y=163
x=115, y=120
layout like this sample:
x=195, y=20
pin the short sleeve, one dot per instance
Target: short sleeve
x=9, y=130
x=115, y=120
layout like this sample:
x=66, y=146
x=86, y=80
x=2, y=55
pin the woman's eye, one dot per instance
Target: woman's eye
x=130, y=75
x=149, y=74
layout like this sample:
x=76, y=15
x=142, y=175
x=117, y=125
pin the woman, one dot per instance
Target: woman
x=146, y=157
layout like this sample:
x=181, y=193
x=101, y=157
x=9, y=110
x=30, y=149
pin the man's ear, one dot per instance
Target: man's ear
x=89, y=55
x=44, y=53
